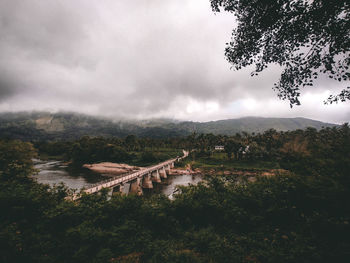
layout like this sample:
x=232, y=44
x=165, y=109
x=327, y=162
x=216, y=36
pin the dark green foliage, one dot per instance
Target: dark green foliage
x=327, y=153
x=282, y=219
x=148, y=157
x=58, y=150
x=131, y=150
x=92, y=150
x=294, y=218
x=15, y=158
x=232, y=148
x=306, y=38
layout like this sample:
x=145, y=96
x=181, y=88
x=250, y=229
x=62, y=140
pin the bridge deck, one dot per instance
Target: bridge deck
x=124, y=178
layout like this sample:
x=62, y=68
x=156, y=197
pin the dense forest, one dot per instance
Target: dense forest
x=30, y=126
x=132, y=150
x=300, y=217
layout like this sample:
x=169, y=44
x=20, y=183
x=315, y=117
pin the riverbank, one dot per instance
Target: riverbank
x=248, y=173
x=219, y=165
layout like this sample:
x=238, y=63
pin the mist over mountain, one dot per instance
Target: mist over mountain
x=67, y=126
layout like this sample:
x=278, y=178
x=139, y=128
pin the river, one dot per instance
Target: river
x=55, y=172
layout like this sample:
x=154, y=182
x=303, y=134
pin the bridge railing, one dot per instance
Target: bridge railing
x=138, y=173
x=99, y=185
x=141, y=172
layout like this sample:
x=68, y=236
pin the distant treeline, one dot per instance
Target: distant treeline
x=132, y=150
x=305, y=151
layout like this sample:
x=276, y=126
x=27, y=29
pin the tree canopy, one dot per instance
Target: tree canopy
x=301, y=216
x=308, y=38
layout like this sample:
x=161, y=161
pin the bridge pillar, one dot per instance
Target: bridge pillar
x=121, y=188
x=156, y=177
x=135, y=187
x=162, y=173
x=168, y=168
x=147, y=182
x=126, y=189
x=110, y=193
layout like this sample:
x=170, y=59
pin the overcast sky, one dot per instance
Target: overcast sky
x=136, y=59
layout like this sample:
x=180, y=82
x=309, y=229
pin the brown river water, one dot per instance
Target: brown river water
x=55, y=172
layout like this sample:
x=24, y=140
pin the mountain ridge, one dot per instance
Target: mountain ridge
x=68, y=125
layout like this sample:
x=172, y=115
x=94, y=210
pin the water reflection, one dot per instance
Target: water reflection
x=55, y=172
x=168, y=186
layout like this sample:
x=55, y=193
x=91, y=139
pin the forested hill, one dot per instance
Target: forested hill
x=252, y=124
x=44, y=125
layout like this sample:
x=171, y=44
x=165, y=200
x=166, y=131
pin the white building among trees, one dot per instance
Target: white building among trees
x=219, y=148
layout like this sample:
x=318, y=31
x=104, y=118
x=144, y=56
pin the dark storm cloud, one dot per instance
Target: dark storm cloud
x=144, y=58
x=42, y=30
x=6, y=87
x=11, y=83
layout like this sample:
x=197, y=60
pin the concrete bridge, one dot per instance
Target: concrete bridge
x=134, y=182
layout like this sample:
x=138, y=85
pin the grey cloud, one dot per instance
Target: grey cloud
x=6, y=87
x=11, y=83
x=122, y=58
x=45, y=30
